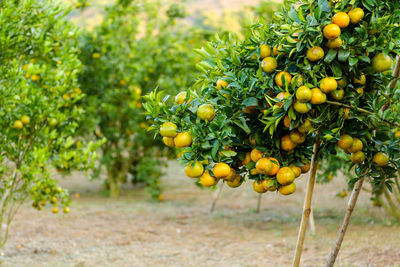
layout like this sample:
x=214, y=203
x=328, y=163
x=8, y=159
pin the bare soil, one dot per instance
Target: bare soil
x=179, y=231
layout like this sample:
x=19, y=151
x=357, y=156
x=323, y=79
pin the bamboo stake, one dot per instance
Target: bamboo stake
x=346, y=220
x=217, y=194
x=307, y=206
x=312, y=222
x=258, y=203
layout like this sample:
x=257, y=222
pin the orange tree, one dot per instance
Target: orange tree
x=318, y=74
x=122, y=61
x=38, y=95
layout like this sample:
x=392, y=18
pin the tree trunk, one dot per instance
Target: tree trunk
x=258, y=203
x=217, y=194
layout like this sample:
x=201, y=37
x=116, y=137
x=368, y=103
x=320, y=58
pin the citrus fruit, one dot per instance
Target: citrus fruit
x=206, y=112
x=397, y=134
x=337, y=94
x=315, y=53
x=345, y=142
x=305, y=168
x=221, y=84
x=297, y=137
x=264, y=165
x=252, y=140
x=168, y=129
x=183, y=139
x=356, y=146
x=236, y=182
x=318, y=97
x=168, y=141
x=287, y=144
x=25, y=119
x=283, y=78
x=332, y=31
x=194, y=170
x=255, y=155
x=341, y=19
x=258, y=187
x=303, y=94
x=180, y=98
x=301, y=107
x=356, y=15
x=277, y=49
x=287, y=121
x=265, y=51
x=381, y=159
x=287, y=189
x=18, y=124
x=207, y=180
x=298, y=80
x=382, y=62
x=269, y=185
x=342, y=83
x=275, y=166
x=296, y=170
x=282, y=96
x=361, y=80
x=357, y=157
x=335, y=43
x=328, y=84
x=285, y=176
x=269, y=64
x=222, y=170
x=305, y=127
x=247, y=159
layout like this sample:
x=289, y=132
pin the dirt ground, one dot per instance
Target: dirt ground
x=136, y=231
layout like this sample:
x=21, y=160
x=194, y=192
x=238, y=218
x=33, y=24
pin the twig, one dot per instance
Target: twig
x=346, y=220
x=307, y=205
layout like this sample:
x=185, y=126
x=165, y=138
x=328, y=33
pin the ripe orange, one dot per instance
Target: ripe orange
x=264, y=166
x=281, y=96
x=285, y=176
x=397, y=134
x=357, y=157
x=360, y=91
x=318, y=97
x=269, y=64
x=183, y=139
x=361, y=80
x=297, y=137
x=332, y=31
x=287, y=121
x=381, y=159
x=168, y=141
x=168, y=129
x=207, y=180
x=254, y=171
x=285, y=76
x=277, y=49
x=342, y=83
x=180, y=98
x=382, y=62
x=315, y=53
x=356, y=15
x=341, y=19
x=356, y=146
x=298, y=80
x=222, y=170
x=305, y=127
x=328, y=84
x=206, y=112
x=18, y=124
x=275, y=166
x=295, y=169
x=303, y=94
x=345, y=142
x=265, y=51
x=287, y=144
x=301, y=107
x=287, y=189
x=25, y=119
x=338, y=94
x=252, y=140
x=194, y=170
x=258, y=187
x=221, y=84
x=235, y=182
x=335, y=43
x=269, y=185
x=346, y=113
x=247, y=159
x=255, y=155
x=305, y=168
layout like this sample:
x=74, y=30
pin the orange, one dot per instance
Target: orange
x=25, y=119
x=277, y=49
x=301, y=107
x=357, y=157
x=356, y=15
x=305, y=127
x=285, y=176
x=222, y=170
x=298, y=80
x=335, y=43
x=297, y=137
x=360, y=91
x=345, y=142
x=287, y=189
x=381, y=159
x=254, y=171
x=247, y=159
x=269, y=185
x=287, y=121
x=18, y=124
x=303, y=94
x=236, y=182
x=221, y=84
x=269, y=64
x=305, y=168
x=338, y=94
x=315, y=53
x=342, y=82
x=168, y=129
x=183, y=139
x=207, y=180
x=397, y=134
x=341, y=19
x=296, y=170
x=361, y=80
x=258, y=187
x=265, y=51
x=275, y=166
x=264, y=166
x=382, y=62
x=287, y=144
x=194, y=170
x=206, y=112
x=168, y=141
x=283, y=78
x=231, y=175
x=328, y=84
x=332, y=31
x=180, y=98
x=346, y=113
x=252, y=140
x=281, y=96
x=318, y=97
x=255, y=155
x=356, y=146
